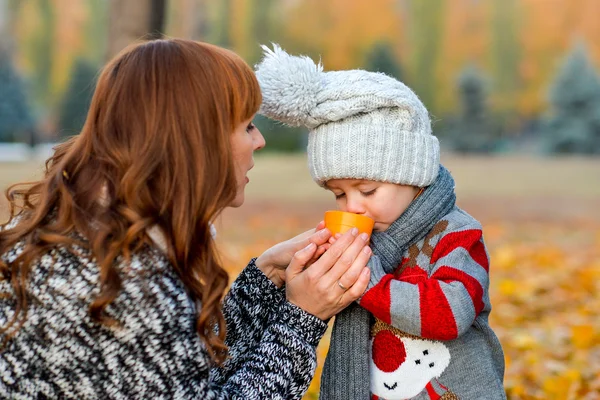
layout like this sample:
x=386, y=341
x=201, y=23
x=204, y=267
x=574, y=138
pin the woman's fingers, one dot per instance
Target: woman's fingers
x=348, y=259
x=356, y=290
x=300, y=259
x=331, y=256
x=318, y=288
x=307, y=235
x=320, y=237
x=352, y=274
x=335, y=237
x=320, y=250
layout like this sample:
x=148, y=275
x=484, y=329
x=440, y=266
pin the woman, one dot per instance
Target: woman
x=111, y=281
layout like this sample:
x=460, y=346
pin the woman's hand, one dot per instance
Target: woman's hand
x=275, y=260
x=336, y=279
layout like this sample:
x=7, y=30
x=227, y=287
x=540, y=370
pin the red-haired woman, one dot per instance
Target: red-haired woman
x=111, y=283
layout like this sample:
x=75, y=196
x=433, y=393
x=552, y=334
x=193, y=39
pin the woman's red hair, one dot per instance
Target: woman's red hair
x=154, y=150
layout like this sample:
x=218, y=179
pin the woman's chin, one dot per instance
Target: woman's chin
x=238, y=201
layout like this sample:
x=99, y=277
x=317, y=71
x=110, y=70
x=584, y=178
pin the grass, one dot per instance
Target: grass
x=286, y=177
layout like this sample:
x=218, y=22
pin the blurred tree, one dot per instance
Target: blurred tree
x=425, y=20
x=221, y=30
x=505, y=54
x=42, y=49
x=241, y=34
x=265, y=26
x=547, y=33
x=464, y=39
x=573, y=123
x=16, y=120
x=95, y=31
x=242, y=25
x=49, y=36
x=4, y=21
x=281, y=138
x=472, y=131
x=188, y=19
x=341, y=32
x=382, y=59
x=76, y=101
x=133, y=20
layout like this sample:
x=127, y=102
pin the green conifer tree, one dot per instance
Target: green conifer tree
x=472, y=131
x=381, y=58
x=572, y=124
x=16, y=120
x=76, y=100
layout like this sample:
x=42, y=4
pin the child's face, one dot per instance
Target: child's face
x=383, y=202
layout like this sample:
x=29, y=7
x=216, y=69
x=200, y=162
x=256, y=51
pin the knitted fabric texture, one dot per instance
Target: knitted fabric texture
x=156, y=353
x=362, y=125
x=346, y=370
x=432, y=339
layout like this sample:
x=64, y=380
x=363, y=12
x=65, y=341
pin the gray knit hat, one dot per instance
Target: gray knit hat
x=362, y=125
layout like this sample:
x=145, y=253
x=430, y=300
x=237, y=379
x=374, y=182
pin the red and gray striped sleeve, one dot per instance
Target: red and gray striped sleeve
x=441, y=300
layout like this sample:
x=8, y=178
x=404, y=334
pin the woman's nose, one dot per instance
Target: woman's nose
x=259, y=140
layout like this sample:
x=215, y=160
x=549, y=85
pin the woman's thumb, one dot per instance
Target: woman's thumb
x=300, y=259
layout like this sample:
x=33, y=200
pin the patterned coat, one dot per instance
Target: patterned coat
x=60, y=353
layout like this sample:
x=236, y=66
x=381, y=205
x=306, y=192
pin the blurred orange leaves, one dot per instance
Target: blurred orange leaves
x=545, y=279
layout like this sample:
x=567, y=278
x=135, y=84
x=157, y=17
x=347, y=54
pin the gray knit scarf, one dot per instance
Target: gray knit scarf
x=346, y=370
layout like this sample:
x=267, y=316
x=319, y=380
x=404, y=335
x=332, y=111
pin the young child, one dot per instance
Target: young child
x=421, y=330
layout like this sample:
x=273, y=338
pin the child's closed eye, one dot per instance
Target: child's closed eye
x=369, y=193
x=339, y=196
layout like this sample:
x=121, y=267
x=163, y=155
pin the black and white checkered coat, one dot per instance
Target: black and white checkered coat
x=60, y=353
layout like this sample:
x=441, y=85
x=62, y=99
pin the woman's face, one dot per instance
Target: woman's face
x=245, y=139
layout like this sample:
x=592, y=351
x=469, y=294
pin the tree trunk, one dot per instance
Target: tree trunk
x=134, y=20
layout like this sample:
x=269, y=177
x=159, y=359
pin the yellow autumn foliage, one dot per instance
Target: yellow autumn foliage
x=545, y=280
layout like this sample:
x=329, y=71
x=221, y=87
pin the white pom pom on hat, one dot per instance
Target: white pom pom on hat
x=362, y=125
x=289, y=86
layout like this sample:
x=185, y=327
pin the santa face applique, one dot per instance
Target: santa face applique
x=402, y=366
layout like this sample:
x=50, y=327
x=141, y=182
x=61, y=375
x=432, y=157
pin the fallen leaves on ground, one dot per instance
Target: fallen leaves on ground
x=545, y=280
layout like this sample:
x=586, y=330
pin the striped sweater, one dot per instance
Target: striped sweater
x=431, y=338
x=60, y=353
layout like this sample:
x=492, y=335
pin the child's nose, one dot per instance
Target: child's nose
x=355, y=207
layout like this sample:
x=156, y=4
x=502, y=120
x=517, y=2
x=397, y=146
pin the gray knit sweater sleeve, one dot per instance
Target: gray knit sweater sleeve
x=155, y=353
x=260, y=318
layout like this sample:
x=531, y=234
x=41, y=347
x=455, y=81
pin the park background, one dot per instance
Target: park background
x=513, y=88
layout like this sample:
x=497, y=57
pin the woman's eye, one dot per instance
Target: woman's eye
x=250, y=127
x=369, y=193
